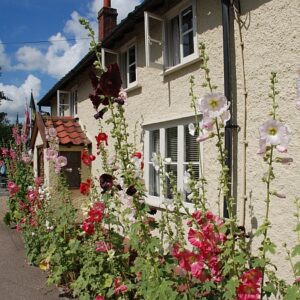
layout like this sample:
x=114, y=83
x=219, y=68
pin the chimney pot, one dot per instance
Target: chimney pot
x=106, y=3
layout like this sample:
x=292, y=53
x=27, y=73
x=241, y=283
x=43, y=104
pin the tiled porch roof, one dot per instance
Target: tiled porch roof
x=68, y=130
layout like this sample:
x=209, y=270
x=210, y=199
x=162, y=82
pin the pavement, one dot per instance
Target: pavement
x=18, y=280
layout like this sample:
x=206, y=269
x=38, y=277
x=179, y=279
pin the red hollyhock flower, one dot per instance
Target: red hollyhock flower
x=88, y=227
x=102, y=247
x=250, y=284
x=137, y=154
x=96, y=212
x=118, y=287
x=101, y=137
x=111, y=81
x=86, y=157
x=99, y=297
x=85, y=187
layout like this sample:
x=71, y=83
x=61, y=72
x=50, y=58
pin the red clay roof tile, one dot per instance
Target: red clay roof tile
x=68, y=130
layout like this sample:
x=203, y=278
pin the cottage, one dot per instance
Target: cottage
x=156, y=47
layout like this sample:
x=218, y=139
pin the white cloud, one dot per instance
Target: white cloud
x=19, y=94
x=61, y=56
x=123, y=7
x=4, y=59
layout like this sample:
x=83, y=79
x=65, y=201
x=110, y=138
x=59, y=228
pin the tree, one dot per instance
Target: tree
x=5, y=129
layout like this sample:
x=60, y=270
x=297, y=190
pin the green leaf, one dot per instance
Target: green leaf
x=296, y=251
x=292, y=293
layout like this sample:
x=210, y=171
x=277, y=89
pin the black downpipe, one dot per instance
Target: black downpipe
x=227, y=90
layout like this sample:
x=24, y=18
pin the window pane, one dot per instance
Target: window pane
x=171, y=183
x=154, y=140
x=123, y=69
x=174, y=44
x=192, y=147
x=187, y=19
x=132, y=74
x=171, y=140
x=154, y=182
x=188, y=43
x=131, y=55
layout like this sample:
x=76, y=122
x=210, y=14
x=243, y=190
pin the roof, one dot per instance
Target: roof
x=69, y=131
x=125, y=26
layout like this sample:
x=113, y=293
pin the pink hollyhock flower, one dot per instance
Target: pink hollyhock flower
x=297, y=280
x=52, y=132
x=122, y=99
x=13, y=154
x=250, y=284
x=275, y=133
x=213, y=105
x=5, y=152
x=102, y=246
x=118, y=287
x=197, y=269
x=99, y=297
x=61, y=161
x=195, y=237
x=51, y=154
x=13, y=188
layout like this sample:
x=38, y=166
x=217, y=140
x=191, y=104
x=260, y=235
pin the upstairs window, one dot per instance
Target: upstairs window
x=66, y=103
x=127, y=60
x=176, y=34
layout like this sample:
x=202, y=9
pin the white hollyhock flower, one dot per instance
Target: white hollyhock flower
x=155, y=161
x=191, y=129
x=213, y=105
x=275, y=133
x=168, y=160
x=187, y=182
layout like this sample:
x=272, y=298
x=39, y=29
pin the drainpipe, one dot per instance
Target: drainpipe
x=227, y=91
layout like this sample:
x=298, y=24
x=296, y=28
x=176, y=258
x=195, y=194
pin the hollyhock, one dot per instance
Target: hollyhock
x=106, y=182
x=95, y=99
x=101, y=137
x=111, y=82
x=192, y=129
x=118, y=287
x=87, y=158
x=85, y=187
x=250, y=284
x=187, y=182
x=5, y=152
x=100, y=114
x=102, y=246
x=88, y=227
x=61, y=161
x=155, y=161
x=96, y=212
x=26, y=158
x=52, y=132
x=51, y=154
x=13, y=154
x=13, y=188
x=131, y=190
x=99, y=297
x=213, y=105
x=273, y=133
x=122, y=99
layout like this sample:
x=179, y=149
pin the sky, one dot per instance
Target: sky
x=40, y=41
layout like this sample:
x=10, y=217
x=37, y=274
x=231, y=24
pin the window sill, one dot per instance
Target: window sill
x=180, y=66
x=158, y=202
x=132, y=88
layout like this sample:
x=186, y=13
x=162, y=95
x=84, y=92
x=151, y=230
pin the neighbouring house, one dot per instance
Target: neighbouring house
x=156, y=47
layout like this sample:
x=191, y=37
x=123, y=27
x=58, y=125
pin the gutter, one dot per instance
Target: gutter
x=227, y=34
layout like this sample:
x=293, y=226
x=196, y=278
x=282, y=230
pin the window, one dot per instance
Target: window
x=175, y=34
x=72, y=173
x=127, y=60
x=180, y=150
x=66, y=103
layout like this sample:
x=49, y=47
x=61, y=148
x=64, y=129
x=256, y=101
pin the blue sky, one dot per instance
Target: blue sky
x=38, y=66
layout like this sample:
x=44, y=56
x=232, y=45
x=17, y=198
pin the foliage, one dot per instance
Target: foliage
x=119, y=250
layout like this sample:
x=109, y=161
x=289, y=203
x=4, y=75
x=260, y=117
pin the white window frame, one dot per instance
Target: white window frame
x=103, y=55
x=157, y=201
x=66, y=107
x=73, y=102
x=176, y=11
x=133, y=83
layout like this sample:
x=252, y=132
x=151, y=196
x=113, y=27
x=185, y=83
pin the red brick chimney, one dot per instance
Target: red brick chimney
x=107, y=20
